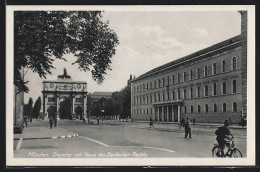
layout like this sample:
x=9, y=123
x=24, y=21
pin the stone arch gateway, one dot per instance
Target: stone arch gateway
x=54, y=92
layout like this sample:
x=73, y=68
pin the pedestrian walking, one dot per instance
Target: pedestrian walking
x=187, y=129
x=151, y=122
x=25, y=120
x=97, y=120
x=193, y=121
x=182, y=122
x=51, y=122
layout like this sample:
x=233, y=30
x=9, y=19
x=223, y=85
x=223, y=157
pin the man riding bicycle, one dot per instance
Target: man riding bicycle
x=224, y=136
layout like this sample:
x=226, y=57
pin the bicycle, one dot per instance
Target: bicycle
x=231, y=153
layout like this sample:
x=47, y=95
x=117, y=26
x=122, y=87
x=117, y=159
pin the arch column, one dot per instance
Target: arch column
x=73, y=104
x=162, y=113
x=167, y=115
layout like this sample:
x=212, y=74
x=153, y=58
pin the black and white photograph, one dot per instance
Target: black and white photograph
x=130, y=85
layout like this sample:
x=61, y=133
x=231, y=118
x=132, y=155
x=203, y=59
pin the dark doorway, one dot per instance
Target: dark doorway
x=51, y=111
x=65, y=109
x=170, y=113
x=175, y=114
x=165, y=113
x=78, y=112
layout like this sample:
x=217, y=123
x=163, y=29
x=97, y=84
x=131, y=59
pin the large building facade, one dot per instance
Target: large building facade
x=206, y=85
x=64, y=88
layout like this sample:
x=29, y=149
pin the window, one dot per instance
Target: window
x=224, y=88
x=179, y=94
x=234, y=86
x=184, y=76
x=206, y=71
x=215, y=89
x=134, y=89
x=191, y=74
x=140, y=88
x=214, y=69
x=224, y=108
x=143, y=87
x=168, y=81
x=198, y=73
x=234, y=107
x=151, y=111
x=137, y=88
x=206, y=108
x=140, y=100
x=147, y=88
x=206, y=91
x=163, y=97
x=178, y=78
x=198, y=91
x=234, y=62
x=191, y=109
x=159, y=83
x=185, y=109
x=163, y=82
x=159, y=97
x=154, y=98
x=173, y=79
x=168, y=95
x=191, y=93
x=184, y=94
x=147, y=111
x=151, y=85
x=198, y=108
x=224, y=66
x=215, y=108
x=151, y=98
x=173, y=95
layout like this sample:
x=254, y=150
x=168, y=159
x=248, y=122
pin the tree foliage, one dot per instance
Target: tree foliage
x=28, y=109
x=42, y=36
x=37, y=108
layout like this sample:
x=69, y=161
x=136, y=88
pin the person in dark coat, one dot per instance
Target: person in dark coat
x=25, y=121
x=187, y=128
x=151, y=122
x=182, y=122
x=51, y=122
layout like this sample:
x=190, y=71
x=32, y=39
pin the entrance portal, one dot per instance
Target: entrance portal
x=78, y=111
x=175, y=114
x=65, y=109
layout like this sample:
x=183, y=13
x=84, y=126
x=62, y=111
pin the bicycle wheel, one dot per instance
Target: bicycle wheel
x=236, y=153
x=215, y=149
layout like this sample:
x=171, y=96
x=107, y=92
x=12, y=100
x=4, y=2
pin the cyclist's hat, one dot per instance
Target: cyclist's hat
x=226, y=122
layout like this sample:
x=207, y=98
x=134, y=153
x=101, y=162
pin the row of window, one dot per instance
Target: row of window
x=215, y=108
x=145, y=99
x=192, y=110
x=173, y=80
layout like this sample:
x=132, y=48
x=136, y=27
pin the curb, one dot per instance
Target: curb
x=54, y=137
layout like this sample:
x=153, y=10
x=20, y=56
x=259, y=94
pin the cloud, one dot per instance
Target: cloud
x=200, y=32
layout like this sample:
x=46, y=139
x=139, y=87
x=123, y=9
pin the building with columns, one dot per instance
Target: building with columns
x=64, y=88
x=206, y=85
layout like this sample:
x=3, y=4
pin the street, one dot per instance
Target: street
x=115, y=139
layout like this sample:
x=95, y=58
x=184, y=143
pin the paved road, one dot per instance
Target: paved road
x=125, y=139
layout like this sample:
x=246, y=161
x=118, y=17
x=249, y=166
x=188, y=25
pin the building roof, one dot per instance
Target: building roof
x=102, y=93
x=64, y=81
x=190, y=57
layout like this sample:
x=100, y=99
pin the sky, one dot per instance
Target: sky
x=147, y=39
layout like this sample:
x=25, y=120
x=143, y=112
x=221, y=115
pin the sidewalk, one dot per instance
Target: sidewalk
x=197, y=124
x=40, y=129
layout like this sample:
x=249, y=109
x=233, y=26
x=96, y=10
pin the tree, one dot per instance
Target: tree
x=42, y=36
x=30, y=108
x=37, y=108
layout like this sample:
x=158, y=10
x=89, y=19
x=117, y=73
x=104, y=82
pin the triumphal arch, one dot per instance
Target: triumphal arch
x=66, y=96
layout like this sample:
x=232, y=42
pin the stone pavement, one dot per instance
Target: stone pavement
x=40, y=129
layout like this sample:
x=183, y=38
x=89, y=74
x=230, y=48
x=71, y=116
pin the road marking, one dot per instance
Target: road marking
x=62, y=136
x=18, y=146
x=167, y=150
x=54, y=137
x=94, y=141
